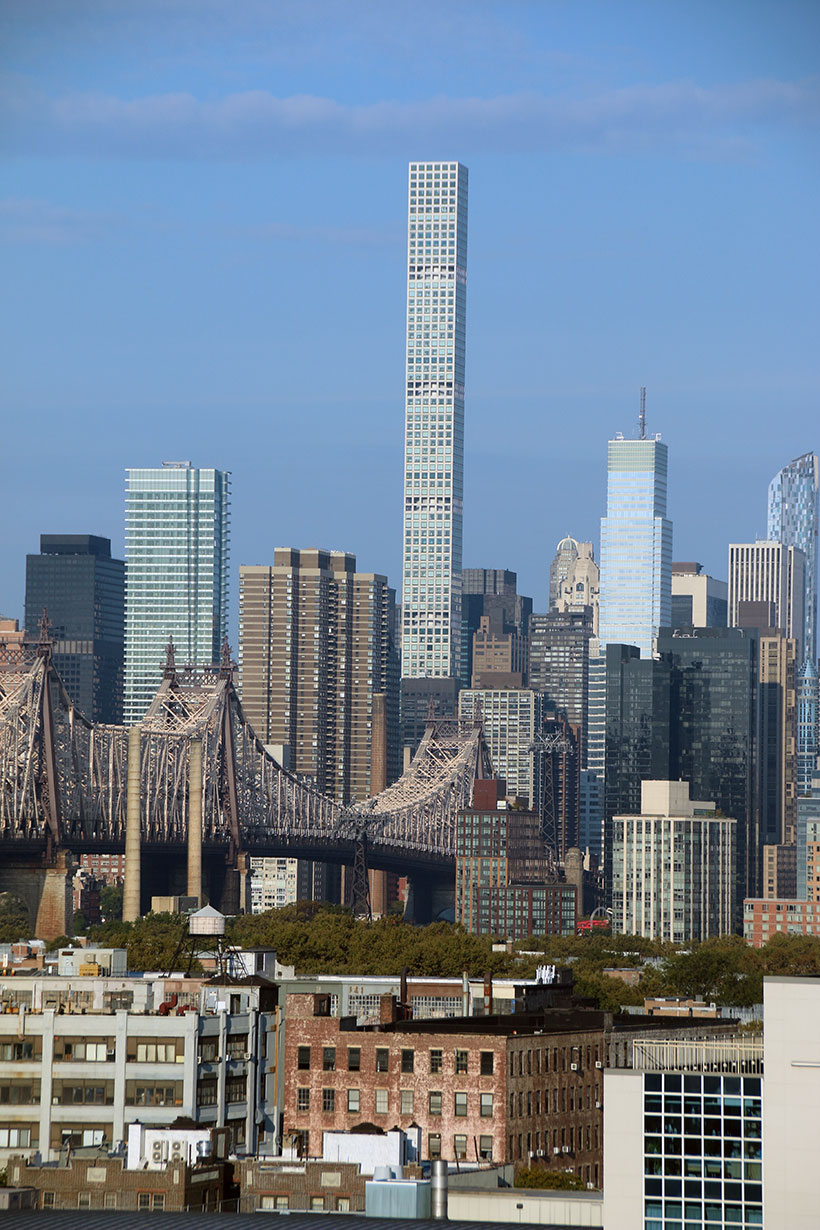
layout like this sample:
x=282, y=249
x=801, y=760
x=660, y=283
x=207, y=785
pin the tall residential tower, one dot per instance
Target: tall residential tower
x=434, y=419
x=176, y=575
x=792, y=521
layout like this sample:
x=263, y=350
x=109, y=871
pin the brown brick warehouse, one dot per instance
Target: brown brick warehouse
x=512, y=1088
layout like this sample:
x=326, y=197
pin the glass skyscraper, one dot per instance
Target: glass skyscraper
x=434, y=419
x=792, y=520
x=636, y=546
x=176, y=578
x=82, y=589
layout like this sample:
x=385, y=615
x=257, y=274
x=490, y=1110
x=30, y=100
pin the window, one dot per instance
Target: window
x=434, y=1145
x=435, y=1061
x=328, y=1100
x=486, y=1105
x=381, y=1102
x=143, y=1200
x=303, y=1099
x=48, y=1200
x=110, y=1200
x=460, y=1146
x=84, y=1200
x=329, y=1059
x=485, y=1147
x=461, y=1062
x=273, y=1202
x=342, y=1204
x=317, y=1204
x=158, y=1202
x=303, y=1058
x=407, y=1101
x=487, y=1058
x=354, y=1059
x=353, y=1101
x=407, y=1060
x=434, y=1102
x=382, y=1059
x=206, y=1092
x=235, y=1090
x=460, y=1105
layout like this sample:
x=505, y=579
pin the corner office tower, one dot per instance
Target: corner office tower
x=636, y=545
x=434, y=419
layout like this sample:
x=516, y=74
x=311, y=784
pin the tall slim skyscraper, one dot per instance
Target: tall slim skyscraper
x=82, y=588
x=434, y=419
x=792, y=520
x=636, y=545
x=176, y=576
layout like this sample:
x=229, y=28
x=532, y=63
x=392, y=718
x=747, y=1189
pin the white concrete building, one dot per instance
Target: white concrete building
x=772, y=574
x=274, y=883
x=721, y=1132
x=83, y=1057
x=673, y=867
x=434, y=419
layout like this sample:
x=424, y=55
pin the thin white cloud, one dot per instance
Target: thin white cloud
x=25, y=220
x=350, y=236
x=678, y=117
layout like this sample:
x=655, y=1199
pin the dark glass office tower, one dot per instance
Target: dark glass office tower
x=637, y=735
x=82, y=588
x=713, y=732
x=559, y=663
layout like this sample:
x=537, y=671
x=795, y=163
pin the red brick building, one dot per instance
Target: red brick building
x=763, y=918
x=492, y=1088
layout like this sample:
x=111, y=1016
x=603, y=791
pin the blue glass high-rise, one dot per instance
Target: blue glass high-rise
x=792, y=520
x=636, y=546
x=176, y=576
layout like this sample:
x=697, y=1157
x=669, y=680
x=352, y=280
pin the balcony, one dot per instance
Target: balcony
x=732, y=1055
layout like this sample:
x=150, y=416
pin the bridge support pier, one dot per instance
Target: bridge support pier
x=229, y=888
x=430, y=898
x=133, y=837
x=46, y=891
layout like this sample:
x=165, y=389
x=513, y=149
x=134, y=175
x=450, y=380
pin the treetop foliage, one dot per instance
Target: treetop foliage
x=322, y=939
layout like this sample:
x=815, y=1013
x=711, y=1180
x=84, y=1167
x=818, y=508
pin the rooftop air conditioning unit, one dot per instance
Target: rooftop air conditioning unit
x=556, y=1149
x=598, y=1063
x=574, y=1067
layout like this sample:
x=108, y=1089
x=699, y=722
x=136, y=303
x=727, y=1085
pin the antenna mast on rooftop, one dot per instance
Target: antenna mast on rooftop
x=642, y=416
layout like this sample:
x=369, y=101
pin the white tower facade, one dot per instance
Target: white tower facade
x=434, y=419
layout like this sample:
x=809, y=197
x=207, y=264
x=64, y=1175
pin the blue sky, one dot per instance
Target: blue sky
x=202, y=235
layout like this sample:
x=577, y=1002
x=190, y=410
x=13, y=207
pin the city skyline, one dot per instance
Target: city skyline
x=620, y=165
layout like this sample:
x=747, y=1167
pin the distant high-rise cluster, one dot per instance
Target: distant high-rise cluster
x=640, y=669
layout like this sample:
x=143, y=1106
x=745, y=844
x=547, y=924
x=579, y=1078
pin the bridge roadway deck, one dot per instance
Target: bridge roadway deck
x=399, y=860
